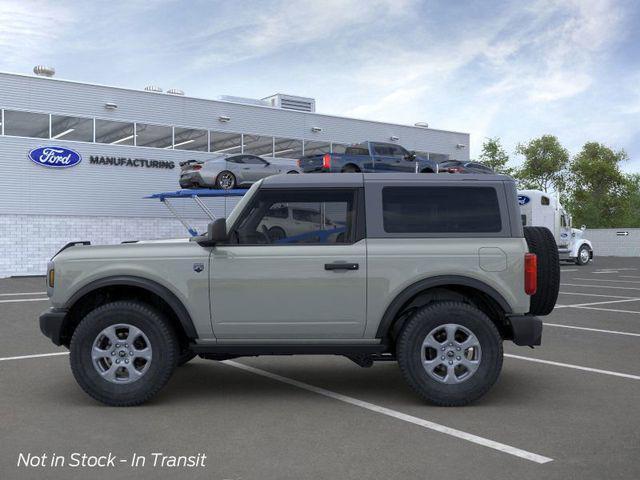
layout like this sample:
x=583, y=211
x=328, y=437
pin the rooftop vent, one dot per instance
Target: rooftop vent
x=175, y=91
x=291, y=102
x=43, y=71
x=153, y=88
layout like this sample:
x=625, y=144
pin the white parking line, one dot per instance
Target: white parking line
x=485, y=442
x=569, y=269
x=610, y=310
x=600, y=286
x=614, y=332
x=24, y=357
x=593, y=295
x=606, y=280
x=629, y=276
x=598, y=303
x=575, y=367
x=17, y=300
x=23, y=293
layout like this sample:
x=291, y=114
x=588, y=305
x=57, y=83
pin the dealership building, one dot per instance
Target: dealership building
x=126, y=144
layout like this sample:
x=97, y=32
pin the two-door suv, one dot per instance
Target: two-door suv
x=433, y=271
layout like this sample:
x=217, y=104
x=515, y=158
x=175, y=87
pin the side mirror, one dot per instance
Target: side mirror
x=410, y=156
x=216, y=233
x=583, y=228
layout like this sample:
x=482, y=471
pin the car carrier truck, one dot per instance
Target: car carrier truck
x=538, y=208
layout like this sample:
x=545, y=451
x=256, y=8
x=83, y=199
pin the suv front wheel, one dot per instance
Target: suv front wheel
x=123, y=353
x=450, y=353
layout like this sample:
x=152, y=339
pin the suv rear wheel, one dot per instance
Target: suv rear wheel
x=123, y=353
x=450, y=353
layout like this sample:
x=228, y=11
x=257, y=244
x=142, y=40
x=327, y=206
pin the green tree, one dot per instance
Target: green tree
x=494, y=156
x=545, y=164
x=600, y=193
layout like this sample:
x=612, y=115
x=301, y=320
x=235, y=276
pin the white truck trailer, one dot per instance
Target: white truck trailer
x=540, y=209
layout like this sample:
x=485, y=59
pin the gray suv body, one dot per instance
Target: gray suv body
x=430, y=271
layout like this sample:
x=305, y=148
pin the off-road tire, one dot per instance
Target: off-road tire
x=579, y=257
x=409, y=353
x=541, y=242
x=163, y=342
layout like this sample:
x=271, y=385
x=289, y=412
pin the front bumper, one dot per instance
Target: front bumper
x=52, y=323
x=527, y=330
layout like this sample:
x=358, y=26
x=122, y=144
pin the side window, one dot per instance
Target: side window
x=398, y=151
x=238, y=159
x=544, y=200
x=524, y=220
x=320, y=216
x=253, y=160
x=383, y=150
x=441, y=210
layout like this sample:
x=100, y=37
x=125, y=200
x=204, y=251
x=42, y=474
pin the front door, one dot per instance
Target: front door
x=276, y=280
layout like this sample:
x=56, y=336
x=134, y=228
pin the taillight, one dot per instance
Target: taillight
x=298, y=163
x=454, y=170
x=196, y=167
x=326, y=161
x=530, y=273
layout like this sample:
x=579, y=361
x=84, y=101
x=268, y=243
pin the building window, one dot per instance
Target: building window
x=71, y=128
x=316, y=148
x=115, y=133
x=26, y=124
x=157, y=136
x=257, y=145
x=227, y=143
x=287, y=148
x=190, y=139
x=441, y=210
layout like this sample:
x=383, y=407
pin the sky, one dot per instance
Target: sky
x=514, y=70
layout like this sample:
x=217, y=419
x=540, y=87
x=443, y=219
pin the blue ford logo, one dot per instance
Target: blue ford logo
x=56, y=157
x=523, y=199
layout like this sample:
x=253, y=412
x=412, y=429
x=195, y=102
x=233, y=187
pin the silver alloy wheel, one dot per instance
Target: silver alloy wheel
x=121, y=353
x=225, y=180
x=451, y=353
x=584, y=255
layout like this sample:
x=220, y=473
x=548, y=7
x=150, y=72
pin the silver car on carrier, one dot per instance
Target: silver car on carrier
x=230, y=171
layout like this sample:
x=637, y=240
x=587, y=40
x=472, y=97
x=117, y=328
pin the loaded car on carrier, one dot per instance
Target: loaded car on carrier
x=433, y=272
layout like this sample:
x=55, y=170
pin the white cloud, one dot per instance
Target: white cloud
x=29, y=30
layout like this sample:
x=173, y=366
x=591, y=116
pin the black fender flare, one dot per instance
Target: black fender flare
x=439, y=281
x=154, y=287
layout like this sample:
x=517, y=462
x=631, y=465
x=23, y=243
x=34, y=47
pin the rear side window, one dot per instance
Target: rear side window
x=357, y=151
x=441, y=210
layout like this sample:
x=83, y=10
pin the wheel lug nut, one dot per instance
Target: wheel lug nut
x=126, y=361
x=117, y=345
x=131, y=353
x=451, y=344
x=442, y=358
x=442, y=349
x=457, y=358
x=118, y=361
x=113, y=353
x=450, y=362
x=458, y=348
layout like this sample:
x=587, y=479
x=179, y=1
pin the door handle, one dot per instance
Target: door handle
x=341, y=266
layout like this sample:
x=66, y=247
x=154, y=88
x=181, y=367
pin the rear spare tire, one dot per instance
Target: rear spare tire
x=541, y=242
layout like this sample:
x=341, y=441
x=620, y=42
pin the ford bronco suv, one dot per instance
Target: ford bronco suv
x=433, y=272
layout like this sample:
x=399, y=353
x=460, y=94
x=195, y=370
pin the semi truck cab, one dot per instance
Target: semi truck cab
x=540, y=209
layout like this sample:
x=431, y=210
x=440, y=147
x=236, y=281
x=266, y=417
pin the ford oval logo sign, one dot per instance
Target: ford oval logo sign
x=523, y=199
x=55, y=157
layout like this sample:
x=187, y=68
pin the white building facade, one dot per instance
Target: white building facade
x=129, y=144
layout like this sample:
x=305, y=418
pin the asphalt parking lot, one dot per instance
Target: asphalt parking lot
x=568, y=409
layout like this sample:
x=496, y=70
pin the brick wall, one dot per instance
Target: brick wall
x=27, y=242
